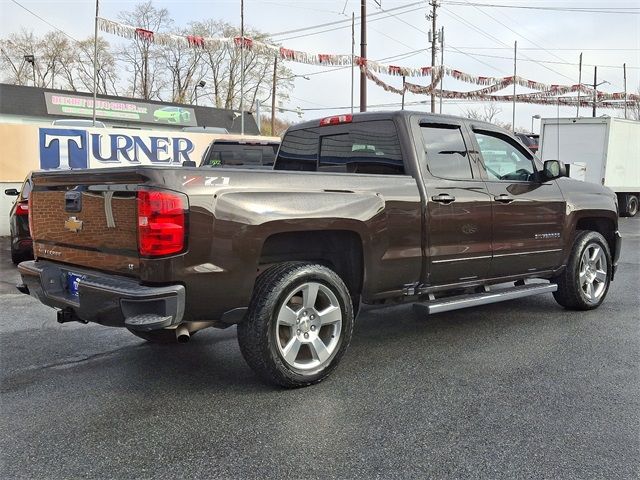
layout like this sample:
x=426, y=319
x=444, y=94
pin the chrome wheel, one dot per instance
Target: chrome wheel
x=308, y=327
x=593, y=272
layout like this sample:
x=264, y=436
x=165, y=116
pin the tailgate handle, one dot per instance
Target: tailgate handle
x=73, y=201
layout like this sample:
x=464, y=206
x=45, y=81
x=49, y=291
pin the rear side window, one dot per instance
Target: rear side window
x=447, y=155
x=298, y=151
x=368, y=147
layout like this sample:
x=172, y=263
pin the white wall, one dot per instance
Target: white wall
x=5, y=205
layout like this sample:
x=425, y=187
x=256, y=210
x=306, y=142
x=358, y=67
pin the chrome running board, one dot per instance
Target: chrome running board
x=457, y=302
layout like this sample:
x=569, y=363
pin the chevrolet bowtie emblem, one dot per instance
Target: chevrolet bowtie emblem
x=73, y=224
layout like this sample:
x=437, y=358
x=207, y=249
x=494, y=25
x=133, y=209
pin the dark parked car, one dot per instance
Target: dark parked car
x=529, y=140
x=21, y=245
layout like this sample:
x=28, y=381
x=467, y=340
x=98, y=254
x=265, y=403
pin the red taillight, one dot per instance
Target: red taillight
x=22, y=209
x=161, y=223
x=336, y=120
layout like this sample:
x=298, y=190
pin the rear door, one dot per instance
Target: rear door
x=458, y=206
x=527, y=214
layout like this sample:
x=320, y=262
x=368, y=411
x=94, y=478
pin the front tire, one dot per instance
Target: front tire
x=298, y=326
x=584, y=284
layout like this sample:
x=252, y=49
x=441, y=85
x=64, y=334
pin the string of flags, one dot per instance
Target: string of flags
x=549, y=95
x=543, y=93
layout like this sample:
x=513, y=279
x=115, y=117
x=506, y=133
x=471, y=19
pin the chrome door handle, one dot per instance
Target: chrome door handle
x=504, y=198
x=444, y=198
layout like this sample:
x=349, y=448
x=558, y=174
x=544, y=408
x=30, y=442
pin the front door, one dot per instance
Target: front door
x=527, y=212
x=458, y=214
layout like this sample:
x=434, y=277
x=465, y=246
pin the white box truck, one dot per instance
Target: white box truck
x=602, y=150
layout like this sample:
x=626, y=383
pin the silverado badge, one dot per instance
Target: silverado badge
x=73, y=224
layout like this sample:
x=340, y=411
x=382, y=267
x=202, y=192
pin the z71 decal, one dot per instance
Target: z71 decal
x=205, y=180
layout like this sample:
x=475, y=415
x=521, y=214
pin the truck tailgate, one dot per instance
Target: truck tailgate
x=79, y=221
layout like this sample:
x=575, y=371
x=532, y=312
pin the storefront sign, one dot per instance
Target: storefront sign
x=133, y=111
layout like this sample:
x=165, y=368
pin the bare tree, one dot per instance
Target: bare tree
x=280, y=126
x=144, y=60
x=106, y=68
x=187, y=67
x=151, y=71
x=13, y=50
x=489, y=113
x=28, y=60
x=223, y=68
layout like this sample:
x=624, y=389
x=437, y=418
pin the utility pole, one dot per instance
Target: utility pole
x=595, y=92
x=273, y=96
x=95, y=64
x=363, y=54
x=579, y=86
x=515, y=72
x=241, y=67
x=353, y=53
x=434, y=35
x=441, y=64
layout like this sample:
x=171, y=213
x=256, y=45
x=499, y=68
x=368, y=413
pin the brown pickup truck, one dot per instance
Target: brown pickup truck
x=436, y=210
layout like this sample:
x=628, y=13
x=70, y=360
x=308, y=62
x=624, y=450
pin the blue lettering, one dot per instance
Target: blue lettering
x=160, y=145
x=183, y=151
x=122, y=151
x=117, y=151
x=139, y=146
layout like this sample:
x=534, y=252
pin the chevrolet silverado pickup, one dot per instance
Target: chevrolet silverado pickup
x=371, y=208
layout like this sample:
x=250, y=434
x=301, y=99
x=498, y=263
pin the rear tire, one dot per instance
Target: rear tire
x=584, y=284
x=632, y=205
x=298, y=326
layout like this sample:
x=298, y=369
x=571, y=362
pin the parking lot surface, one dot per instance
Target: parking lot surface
x=521, y=389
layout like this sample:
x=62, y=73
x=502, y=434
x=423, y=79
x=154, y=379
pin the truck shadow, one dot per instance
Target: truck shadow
x=211, y=362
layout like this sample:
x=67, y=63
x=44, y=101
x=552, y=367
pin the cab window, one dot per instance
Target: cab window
x=447, y=155
x=503, y=160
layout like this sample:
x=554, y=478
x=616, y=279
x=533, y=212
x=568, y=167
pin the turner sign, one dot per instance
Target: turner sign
x=76, y=148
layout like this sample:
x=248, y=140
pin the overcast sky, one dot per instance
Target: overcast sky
x=478, y=40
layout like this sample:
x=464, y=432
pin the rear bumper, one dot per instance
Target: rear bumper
x=102, y=298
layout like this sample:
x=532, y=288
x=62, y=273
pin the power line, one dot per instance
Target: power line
x=565, y=49
x=514, y=31
x=488, y=35
x=611, y=10
x=45, y=21
x=341, y=27
x=540, y=61
x=346, y=21
x=400, y=56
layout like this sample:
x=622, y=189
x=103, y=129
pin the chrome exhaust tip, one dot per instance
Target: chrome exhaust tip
x=182, y=334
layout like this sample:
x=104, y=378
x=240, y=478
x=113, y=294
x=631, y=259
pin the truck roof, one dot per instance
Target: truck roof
x=391, y=115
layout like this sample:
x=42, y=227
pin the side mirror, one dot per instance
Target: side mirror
x=12, y=192
x=189, y=163
x=554, y=169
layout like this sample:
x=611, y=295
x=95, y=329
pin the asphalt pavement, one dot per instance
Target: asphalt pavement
x=521, y=389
